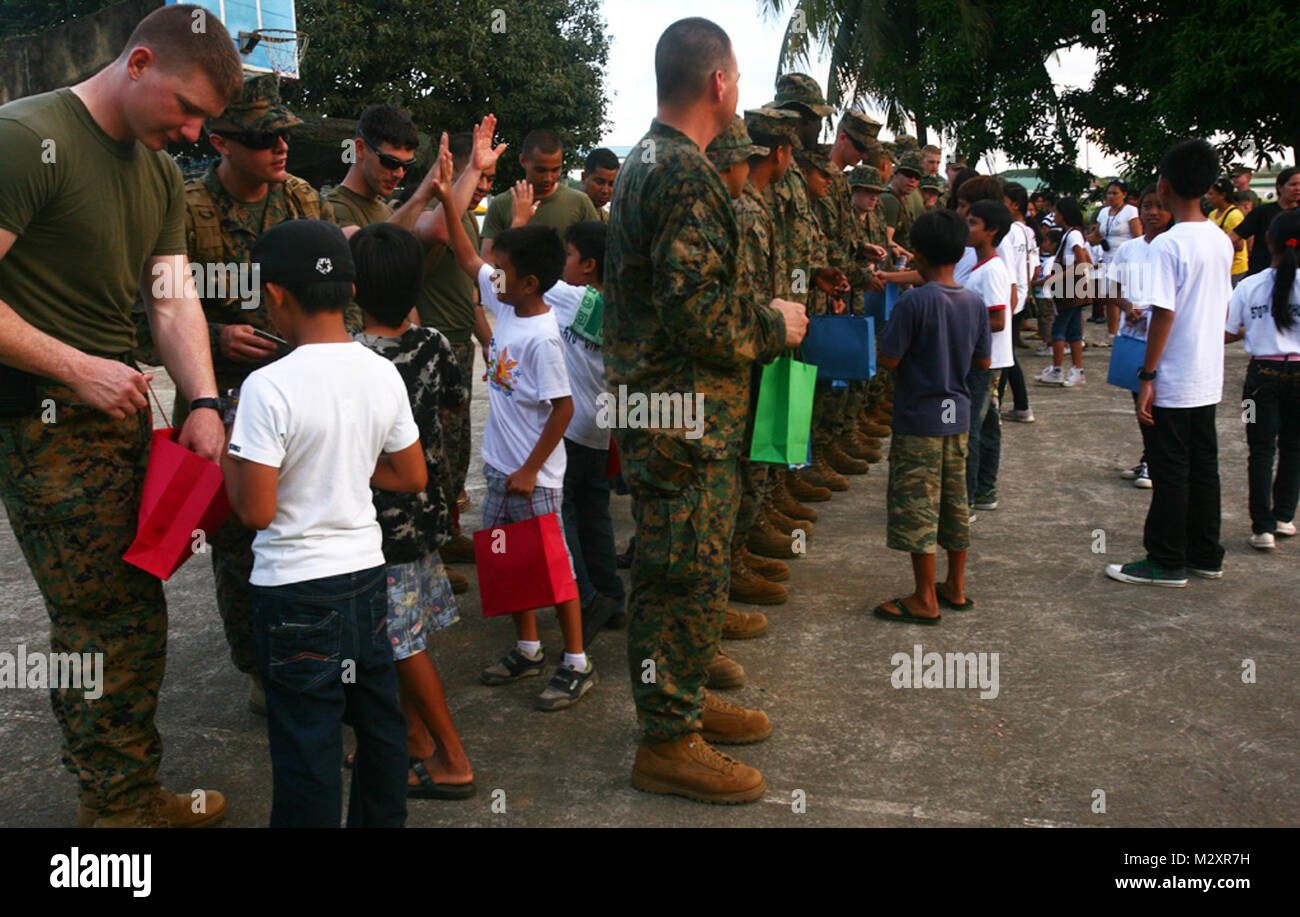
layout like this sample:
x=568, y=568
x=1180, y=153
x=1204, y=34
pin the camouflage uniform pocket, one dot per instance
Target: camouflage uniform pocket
x=668, y=536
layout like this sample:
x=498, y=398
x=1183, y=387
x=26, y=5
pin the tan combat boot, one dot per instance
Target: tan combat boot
x=743, y=625
x=765, y=541
x=833, y=479
x=863, y=448
x=460, y=550
x=772, y=570
x=805, y=491
x=730, y=724
x=167, y=810
x=723, y=672
x=459, y=581
x=842, y=462
x=750, y=588
x=691, y=767
x=784, y=524
x=780, y=498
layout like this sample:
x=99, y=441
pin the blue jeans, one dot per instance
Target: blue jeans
x=979, y=382
x=1068, y=325
x=588, y=527
x=324, y=657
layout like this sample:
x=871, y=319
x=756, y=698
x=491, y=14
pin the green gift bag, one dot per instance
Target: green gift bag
x=783, y=418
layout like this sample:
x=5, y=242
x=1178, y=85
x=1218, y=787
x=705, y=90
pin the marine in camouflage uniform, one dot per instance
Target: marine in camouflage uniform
x=872, y=225
x=675, y=322
x=221, y=230
x=757, y=273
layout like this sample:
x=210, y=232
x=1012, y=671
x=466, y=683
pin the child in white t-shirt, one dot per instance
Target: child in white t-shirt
x=1129, y=286
x=1182, y=378
x=1265, y=310
x=988, y=222
x=314, y=431
x=578, y=303
x=530, y=405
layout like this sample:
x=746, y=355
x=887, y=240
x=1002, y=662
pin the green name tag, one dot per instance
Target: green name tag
x=588, y=324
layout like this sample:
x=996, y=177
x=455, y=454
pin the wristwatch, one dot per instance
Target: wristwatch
x=214, y=403
x=1144, y=375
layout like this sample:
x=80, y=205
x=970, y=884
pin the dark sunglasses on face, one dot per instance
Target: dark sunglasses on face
x=391, y=163
x=860, y=147
x=256, y=140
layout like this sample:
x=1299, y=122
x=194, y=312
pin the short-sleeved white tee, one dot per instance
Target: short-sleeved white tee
x=1020, y=247
x=1116, y=229
x=1252, y=306
x=1191, y=265
x=526, y=370
x=1131, y=269
x=992, y=282
x=322, y=415
x=962, y=270
x=586, y=364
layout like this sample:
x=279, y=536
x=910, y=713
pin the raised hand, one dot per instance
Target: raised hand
x=521, y=197
x=485, y=155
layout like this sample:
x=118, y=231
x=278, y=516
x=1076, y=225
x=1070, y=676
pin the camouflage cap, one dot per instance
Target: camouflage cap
x=775, y=122
x=1239, y=169
x=258, y=108
x=867, y=178
x=802, y=89
x=891, y=148
x=733, y=145
x=957, y=162
x=933, y=183
x=906, y=142
x=861, y=128
x=912, y=161
x=818, y=157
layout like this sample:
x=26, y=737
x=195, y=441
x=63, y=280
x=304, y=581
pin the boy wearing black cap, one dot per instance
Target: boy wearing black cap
x=313, y=432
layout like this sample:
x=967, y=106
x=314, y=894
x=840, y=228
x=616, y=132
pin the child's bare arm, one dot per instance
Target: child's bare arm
x=251, y=488
x=525, y=479
x=404, y=470
x=461, y=247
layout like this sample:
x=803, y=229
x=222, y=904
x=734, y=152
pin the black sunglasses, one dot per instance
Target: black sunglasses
x=860, y=147
x=256, y=140
x=391, y=163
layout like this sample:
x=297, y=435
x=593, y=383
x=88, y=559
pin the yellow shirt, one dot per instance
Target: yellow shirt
x=1227, y=220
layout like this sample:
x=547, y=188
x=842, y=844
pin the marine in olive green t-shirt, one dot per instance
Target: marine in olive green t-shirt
x=352, y=209
x=449, y=296
x=561, y=210
x=89, y=212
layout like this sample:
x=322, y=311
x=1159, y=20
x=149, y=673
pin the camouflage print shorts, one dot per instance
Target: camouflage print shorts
x=927, y=493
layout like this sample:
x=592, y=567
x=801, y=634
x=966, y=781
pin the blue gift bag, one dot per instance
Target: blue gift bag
x=841, y=346
x=1127, y=355
x=891, y=297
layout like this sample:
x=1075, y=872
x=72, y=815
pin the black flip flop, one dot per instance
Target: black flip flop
x=428, y=789
x=948, y=603
x=906, y=617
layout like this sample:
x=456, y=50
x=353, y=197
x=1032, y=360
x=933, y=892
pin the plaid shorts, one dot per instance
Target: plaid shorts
x=500, y=508
x=926, y=500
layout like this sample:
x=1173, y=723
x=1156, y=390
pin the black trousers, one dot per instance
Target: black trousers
x=1182, y=526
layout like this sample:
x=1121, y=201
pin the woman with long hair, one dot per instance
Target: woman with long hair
x=1264, y=310
x=1074, y=261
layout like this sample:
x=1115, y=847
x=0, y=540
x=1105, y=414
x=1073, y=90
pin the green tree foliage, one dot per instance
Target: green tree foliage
x=27, y=17
x=977, y=69
x=533, y=63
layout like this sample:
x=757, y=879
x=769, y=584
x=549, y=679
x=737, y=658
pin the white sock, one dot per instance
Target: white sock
x=529, y=648
x=578, y=661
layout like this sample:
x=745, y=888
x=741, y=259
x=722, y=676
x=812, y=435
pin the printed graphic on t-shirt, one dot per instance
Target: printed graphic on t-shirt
x=503, y=377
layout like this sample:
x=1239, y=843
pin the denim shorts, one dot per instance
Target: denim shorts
x=1068, y=325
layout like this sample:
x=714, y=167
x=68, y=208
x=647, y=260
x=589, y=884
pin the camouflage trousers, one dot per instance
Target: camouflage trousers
x=755, y=484
x=71, y=488
x=456, y=430
x=232, y=565
x=926, y=499
x=829, y=403
x=681, y=575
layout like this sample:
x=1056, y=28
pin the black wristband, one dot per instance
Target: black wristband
x=214, y=403
x=1144, y=375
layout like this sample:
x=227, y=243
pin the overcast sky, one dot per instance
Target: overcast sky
x=635, y=26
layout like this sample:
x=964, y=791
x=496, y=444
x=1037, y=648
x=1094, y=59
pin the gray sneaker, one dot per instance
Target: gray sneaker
x=513, y=666
x=567, y=686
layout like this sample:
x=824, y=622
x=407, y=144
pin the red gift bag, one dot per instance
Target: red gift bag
x=183, y=493
x=523, y=565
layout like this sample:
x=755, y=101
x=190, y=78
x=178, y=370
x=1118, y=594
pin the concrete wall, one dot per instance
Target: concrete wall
x=69, y=53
